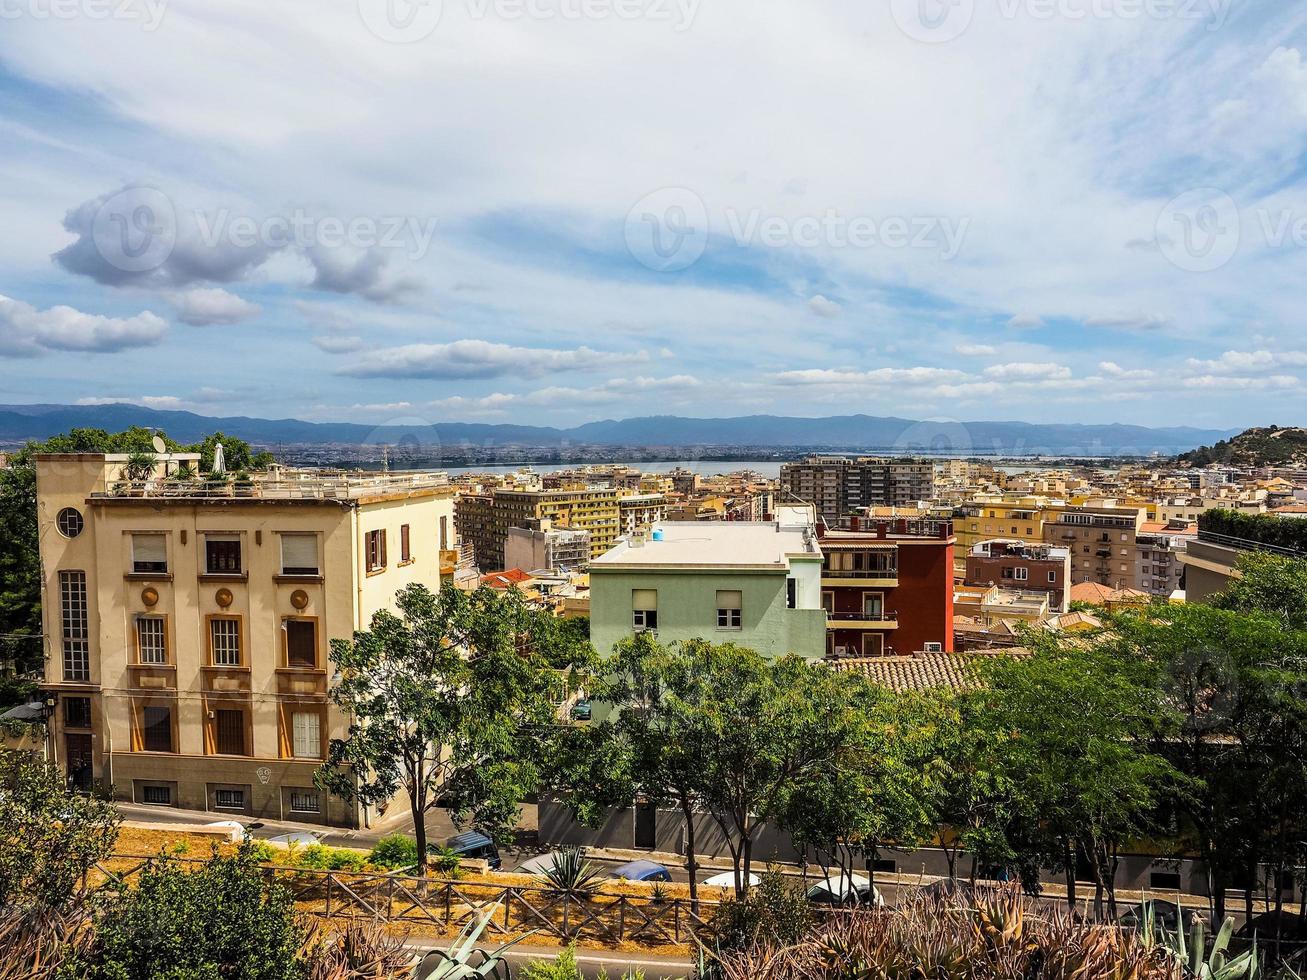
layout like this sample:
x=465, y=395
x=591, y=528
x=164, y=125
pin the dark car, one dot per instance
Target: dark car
x=1270, y=925
x=582, y=711
x=642, y=871
x=1166, y=915
x=476, y=846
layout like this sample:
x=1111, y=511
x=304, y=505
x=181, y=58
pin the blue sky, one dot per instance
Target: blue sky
x=549, y=211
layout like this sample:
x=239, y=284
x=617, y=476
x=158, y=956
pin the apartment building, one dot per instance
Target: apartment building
x=840, y=485
x=1101, y=539
x=754, y=584
x=640, y=511
x=1014, y=564
x=188, y=625
x=887, y=587
x=1018, y=518
x=541, y=546
x=1159, y=545
x=483, y=520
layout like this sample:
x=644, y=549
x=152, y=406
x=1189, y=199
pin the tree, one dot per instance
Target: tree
x=226, y=919
x=448, y=702
x=1269, y=585
x=1082, y=725
x=237, y=454
x=49, y=837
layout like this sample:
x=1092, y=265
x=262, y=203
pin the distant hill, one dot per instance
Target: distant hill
x=1271, y=446
x=19, y=423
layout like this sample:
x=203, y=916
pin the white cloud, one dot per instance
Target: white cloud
x=477, y=359
x=1227, y=383
x=975, y=350
x=26, y=331
x=1234, y=362
x=840, y=377
x=1025, y=321
x=824, y=307
x=1113, y=370
x=1128, y=321
x=1027, y=371
x=208, y=306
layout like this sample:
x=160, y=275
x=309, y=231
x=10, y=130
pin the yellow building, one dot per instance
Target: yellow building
x=1019, y=518
x=484, y=519
x=188, y=624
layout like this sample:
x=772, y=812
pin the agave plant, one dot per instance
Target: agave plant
x=140, y=466
x=569, y=871
x=457, y=962
x=1201, y=963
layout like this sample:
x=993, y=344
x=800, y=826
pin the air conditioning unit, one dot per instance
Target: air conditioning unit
x=934, y=648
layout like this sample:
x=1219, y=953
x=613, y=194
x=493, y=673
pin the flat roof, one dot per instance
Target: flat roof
x=714, y=544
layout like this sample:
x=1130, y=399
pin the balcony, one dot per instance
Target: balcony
x=869, y=619
x=886, y=578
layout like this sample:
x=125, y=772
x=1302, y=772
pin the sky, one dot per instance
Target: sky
x=553, y=211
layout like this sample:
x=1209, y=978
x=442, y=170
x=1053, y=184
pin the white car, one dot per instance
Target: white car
x=299, y=838
x=845, y=890
x=727, y=880
x=537, y=865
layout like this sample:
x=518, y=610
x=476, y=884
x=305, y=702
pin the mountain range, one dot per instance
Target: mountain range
x=19, y=423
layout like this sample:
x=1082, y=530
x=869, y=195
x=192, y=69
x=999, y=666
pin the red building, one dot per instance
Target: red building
x=887, y=586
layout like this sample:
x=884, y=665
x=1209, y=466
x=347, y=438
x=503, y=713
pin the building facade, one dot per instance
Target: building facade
x=887, y=587
x=1025, y=567
x=754, y=584
x=188, y=625
x=541, y=546
x=484, y=519
x=840, y=485
x=1102, y=542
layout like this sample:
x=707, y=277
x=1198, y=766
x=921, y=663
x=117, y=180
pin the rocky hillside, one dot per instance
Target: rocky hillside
x=1271, y=446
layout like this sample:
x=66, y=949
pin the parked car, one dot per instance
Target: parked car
x=538, y=864
x=727, y=880
x=1165, y=914
x=845, y=890
x=1268, y=925
x=475, y=846
x=299, y=838
x=641, y=871
x=582, y=711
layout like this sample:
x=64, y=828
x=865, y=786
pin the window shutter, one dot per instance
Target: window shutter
x=645, y=599
x=307, y=734
x=381, y=536
x=728, y=600
x=404, y=553
x=299, y=554
x=151, y=548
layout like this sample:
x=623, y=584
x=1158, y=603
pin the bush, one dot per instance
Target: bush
x=315, y=857
x=226, y=919
x=444, y=860
x=395, y=851
x=263, y=852
x=1269, y=529
x=562, y=967
x=772, y=913
x=344, y=859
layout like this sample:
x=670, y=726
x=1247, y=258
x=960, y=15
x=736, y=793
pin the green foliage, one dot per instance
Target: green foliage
x=1270, y=446
x=445, y=860
x=570, y=871
x=772, y=914
x=223, y=920
x=140, y=466
x=1269, y=585
x=1270, y=529
x=49, y=837
x=236, y=453
x=262, y=851
x=562, y=967
x=448, y=700
x=394, y=851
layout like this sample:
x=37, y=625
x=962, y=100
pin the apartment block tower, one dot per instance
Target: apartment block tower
x=188, y=624
x=841, y=485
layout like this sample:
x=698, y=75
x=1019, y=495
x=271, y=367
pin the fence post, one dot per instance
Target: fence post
x=676, y=919
x=329, y=896
x=508, y=907
x=621, y=918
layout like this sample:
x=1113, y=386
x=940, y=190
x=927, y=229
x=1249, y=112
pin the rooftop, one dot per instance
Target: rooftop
x=282, y=485
x=713, y=544
x=922, y=671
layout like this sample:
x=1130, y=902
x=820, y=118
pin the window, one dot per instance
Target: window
x=301, y=643
x=405, y=552
x=1022, y=574
x=76, y=627
x=151, y=640
x=828, y=601
x=222, y=554
x=69, y=522
x=1007, y=573
x=1052, y=576
x=873, y=605
x=644, y=609
x=728, y=610
x=444, y=534
x=791, y=593
x=299, y=554
x=306, y=735
x=156, y=729
x=376, y=550
x=229, y=731
x=157, y=795
x=1168, y=881
x=149, y=553
x=304, y=801
x=224, y=641
x=77, y=712
x=229, y=799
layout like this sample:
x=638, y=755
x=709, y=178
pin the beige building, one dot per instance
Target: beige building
x=1102, y=542
x=484, y=519
x=188, y=625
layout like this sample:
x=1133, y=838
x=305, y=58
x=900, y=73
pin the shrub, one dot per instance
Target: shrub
x=263, y=852
x=344, y=859
x=315, y=857
x=444, y=860
x=772, y=913
x=225, y=919
x=562, y=967
x=395, y=851
x=569, y=871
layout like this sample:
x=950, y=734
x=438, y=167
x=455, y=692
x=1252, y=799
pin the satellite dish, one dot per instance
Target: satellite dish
x=159, y=445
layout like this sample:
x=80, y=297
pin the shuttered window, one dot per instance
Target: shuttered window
x=405, y=553
x=156, y=729
x=299, y=554
x=149, y=553
x=644, y=609
x=301, y=643
x=306, y=731
x=229, y=731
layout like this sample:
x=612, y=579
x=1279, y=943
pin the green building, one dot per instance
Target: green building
x=754, y=584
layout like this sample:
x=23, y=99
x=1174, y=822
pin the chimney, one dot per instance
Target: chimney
x=855, y=524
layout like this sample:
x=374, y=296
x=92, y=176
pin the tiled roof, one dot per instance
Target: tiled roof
x=922, y=671
x=1091, y=592
x=504, y=580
